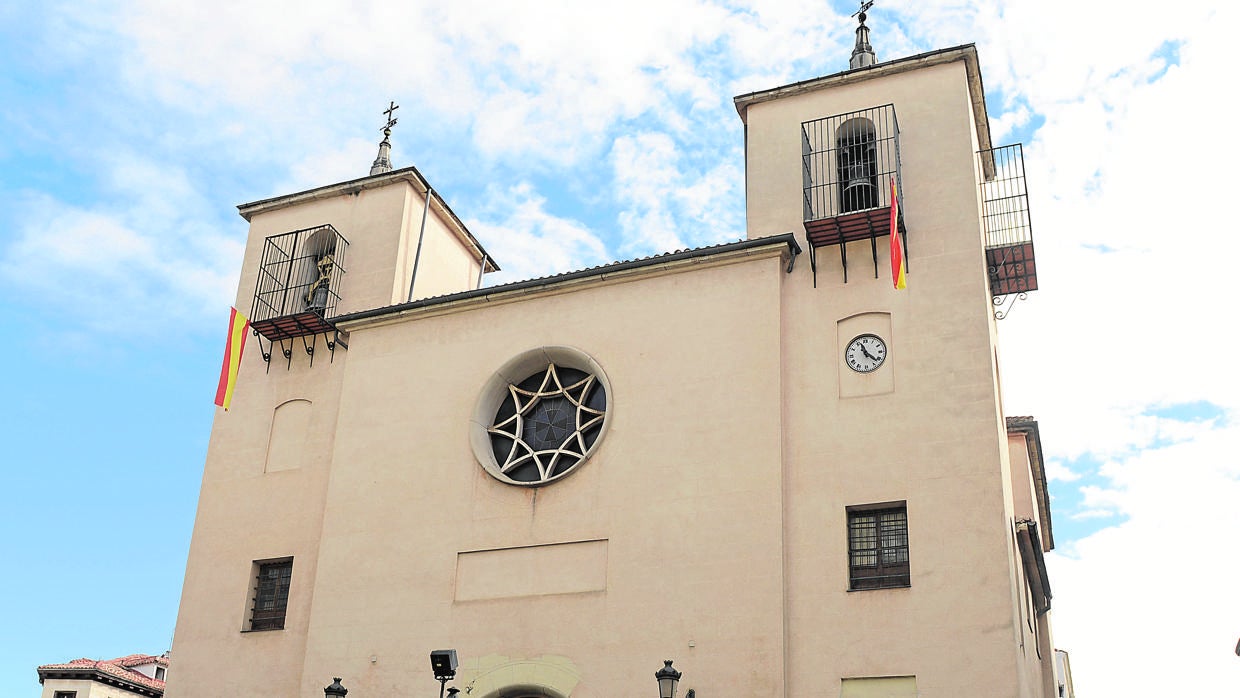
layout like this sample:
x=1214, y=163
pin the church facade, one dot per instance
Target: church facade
x=757, y=459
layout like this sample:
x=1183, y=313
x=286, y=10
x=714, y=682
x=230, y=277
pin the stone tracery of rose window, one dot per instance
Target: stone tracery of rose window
x=547, y=424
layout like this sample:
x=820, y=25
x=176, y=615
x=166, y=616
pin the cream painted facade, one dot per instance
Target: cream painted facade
x=709, y=523
x=82, y=688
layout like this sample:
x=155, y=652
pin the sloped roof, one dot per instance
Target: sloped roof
x=964, y=52
x=133, y=660
x=602, y=270
x=406, y=174
x=116, y=672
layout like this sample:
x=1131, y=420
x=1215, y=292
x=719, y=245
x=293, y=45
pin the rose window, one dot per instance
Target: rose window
x=547, y=424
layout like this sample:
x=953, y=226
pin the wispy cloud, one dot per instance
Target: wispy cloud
x=1056, y=470
x=532, y=242
x=114, y=266
x=1176, y=521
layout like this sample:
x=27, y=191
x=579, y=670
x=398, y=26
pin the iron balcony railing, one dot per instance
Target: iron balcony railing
x=850, y=164
x=849, y=161
x=1006, y=221
x=298, y=287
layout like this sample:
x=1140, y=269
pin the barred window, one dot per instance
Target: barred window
x=271, y=594
x=878, y=547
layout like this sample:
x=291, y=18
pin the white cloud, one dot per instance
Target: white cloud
x=530, y=242
x=1093, y=514
x=668, y=204
x=1128, y=244
x=116, y=267
x=1057, y=471
x=543, y=80
x=1002, y=127
x=1157, y=590
x=349, y=161
x=645, y=172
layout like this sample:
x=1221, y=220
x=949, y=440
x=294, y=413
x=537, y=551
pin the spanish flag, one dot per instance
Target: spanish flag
x=897, y=247
x=237, y=326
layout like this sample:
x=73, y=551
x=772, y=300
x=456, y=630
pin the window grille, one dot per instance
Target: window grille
x=271, y=595
x=878, y=548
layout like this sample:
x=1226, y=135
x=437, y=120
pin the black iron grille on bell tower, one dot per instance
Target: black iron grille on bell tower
x=849, y=163
x=298, y=285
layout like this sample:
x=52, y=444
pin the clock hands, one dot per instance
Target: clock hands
x=859, y=356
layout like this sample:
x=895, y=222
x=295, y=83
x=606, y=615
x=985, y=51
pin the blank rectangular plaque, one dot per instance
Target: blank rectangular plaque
x=539, y=570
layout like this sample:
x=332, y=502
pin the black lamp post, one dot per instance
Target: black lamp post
x=335, y=690
x=668, y=678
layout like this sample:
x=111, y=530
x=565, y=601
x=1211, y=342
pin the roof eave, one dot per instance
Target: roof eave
x=1033, y=441
x=784, y=240
x=99, y=676
x=964, y=52
x=406, y=174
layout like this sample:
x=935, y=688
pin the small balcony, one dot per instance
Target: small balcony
x=1006, y=222
x=298, y=285
x=850, y=163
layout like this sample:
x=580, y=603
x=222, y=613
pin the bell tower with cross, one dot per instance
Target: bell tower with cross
x=402, y=240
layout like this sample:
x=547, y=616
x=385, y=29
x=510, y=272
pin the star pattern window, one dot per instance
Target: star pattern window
x=547, y=424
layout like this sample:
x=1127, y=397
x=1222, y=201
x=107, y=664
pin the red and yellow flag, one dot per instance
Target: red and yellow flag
x=237, y=326
x=897, y=247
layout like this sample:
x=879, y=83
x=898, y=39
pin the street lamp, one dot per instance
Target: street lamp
x=668, y=678
x=335, y=690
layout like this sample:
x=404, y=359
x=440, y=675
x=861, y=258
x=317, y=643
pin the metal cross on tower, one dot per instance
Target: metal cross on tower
x=392, y=107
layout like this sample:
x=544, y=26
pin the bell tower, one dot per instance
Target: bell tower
x=381, y=240
x=830, y=157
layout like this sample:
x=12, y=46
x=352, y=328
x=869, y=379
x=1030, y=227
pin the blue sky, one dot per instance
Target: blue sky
x=566, y=135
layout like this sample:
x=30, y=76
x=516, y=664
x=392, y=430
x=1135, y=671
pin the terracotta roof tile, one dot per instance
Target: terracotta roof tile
x=132, y=660
x=118, y=668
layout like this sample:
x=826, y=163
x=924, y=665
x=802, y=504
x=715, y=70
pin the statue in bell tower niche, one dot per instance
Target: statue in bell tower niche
x=316, y=294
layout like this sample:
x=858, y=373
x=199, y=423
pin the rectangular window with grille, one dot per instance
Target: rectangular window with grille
x=878, y=546
x=271, y=594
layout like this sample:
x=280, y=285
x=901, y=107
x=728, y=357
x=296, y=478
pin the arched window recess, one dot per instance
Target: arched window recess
x=298, y=290
x=850, y=165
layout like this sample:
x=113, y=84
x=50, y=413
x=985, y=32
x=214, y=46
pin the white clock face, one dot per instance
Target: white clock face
x=865, y=353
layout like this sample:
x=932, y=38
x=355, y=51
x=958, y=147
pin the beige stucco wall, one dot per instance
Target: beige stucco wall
x=935, y=440
x=710, y=524
x=684, y=479
x=445, y=266
x=84, y=689
x=1036, y=663
x=1024, y=504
